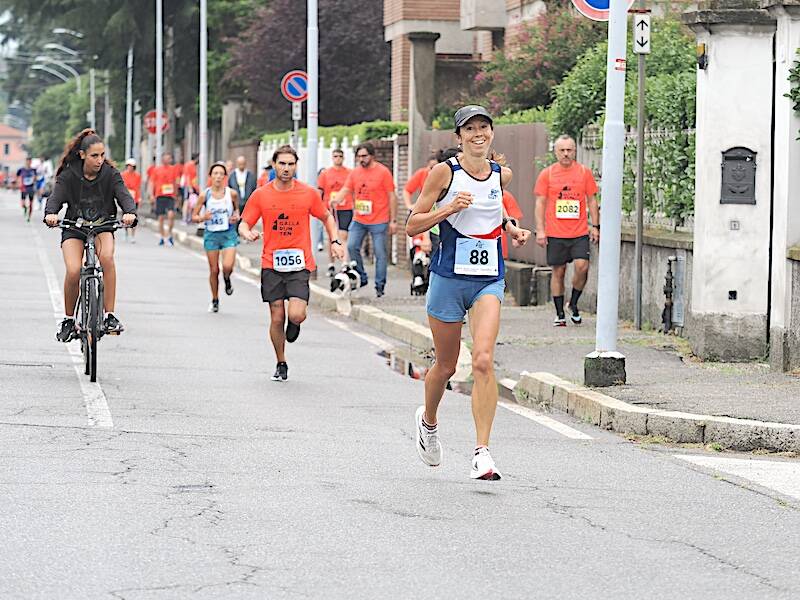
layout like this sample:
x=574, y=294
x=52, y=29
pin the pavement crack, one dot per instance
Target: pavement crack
x=161, y=588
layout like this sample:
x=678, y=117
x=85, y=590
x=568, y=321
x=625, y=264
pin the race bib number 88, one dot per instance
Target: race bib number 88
x=286, y=261
x=475, y=257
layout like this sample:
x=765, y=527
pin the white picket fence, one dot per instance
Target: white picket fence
x=324, y=150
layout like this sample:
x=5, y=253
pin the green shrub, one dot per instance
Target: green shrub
x=371, y=130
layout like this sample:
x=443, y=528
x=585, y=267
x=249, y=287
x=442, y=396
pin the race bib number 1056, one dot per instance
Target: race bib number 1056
x=285, y=261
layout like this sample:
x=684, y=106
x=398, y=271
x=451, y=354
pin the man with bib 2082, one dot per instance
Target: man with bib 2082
x=565, y=192
x=284, y=206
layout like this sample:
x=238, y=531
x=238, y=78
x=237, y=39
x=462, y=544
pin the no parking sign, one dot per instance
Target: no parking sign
x=596, y=10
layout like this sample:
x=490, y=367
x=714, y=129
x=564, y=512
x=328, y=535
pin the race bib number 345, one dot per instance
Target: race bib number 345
x=476, y=257
x=285, y=261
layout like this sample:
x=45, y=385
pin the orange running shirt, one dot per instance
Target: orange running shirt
x=133, y=181
x=190, y=174
x=417, y=180
x=371, y=187
x=284, y=217
x=512, y=210
x=163, y=181
x=330, y=181
x=263, y=179
x=566, y=191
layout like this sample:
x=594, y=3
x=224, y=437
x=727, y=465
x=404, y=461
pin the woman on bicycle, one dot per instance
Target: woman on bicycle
x=91, y=187
x=221, y=204
x=466, y=275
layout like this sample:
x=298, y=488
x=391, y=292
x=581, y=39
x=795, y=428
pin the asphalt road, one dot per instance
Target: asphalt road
x=187, y=473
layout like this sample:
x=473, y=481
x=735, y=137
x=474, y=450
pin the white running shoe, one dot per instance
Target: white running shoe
x=483, y=466
x=428, y=446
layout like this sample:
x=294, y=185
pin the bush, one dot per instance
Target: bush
x=580, y=97
x=371, y=130
x=525, y=73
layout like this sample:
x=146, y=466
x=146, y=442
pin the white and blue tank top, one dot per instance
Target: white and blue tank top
x=469, y=241
x=221, y=210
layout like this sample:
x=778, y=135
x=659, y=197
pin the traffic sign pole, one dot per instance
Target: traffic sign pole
x=606, y=365
x=294, y=87
x=297, y=115
x=641, y=46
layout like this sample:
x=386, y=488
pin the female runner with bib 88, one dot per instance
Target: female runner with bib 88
x=467, y=274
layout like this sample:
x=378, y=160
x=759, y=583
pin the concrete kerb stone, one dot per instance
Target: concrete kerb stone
x=545, y=390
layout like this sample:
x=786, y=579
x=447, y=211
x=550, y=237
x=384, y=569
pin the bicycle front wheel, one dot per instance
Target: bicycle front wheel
x=93, y=332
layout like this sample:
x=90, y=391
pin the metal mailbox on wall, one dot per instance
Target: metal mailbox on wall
x=738, y=176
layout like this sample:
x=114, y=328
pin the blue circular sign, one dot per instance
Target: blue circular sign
x=596, y=10
x=294, y=86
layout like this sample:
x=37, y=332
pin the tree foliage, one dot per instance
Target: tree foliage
x=51, y=111
x=353, y=61
x=524, y=74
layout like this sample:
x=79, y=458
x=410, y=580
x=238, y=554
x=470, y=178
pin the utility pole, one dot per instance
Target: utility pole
x=129, y=106
x=641, y=46
x=203, y=163
x=159, y=75
x=312, y=112
x=606, y=366
x=92, y=101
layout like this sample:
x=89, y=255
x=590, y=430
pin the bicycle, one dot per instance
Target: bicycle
x=89, y=309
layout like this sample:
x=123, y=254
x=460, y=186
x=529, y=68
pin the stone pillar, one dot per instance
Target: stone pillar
x=784, y=352
x=728, y=319
x=421, y=96
x=231, y=115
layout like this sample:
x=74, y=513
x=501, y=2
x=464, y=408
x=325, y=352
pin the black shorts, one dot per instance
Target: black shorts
x=28, y=193
x=344, y=218
x=164, y=204
x=561, y=251
x=73, y=234
x=282, y=286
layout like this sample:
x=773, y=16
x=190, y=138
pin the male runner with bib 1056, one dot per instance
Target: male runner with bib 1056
x=284, y=206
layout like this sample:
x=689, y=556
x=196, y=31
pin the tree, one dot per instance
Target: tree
x=353, y=67
x=525, y=73
x=51, y=111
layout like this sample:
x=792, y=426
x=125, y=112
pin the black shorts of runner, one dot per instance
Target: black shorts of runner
x=344, y=218
x=164, y=204
x=561, y=251
x=72, y=234
x=282, y=286
x=28, y=193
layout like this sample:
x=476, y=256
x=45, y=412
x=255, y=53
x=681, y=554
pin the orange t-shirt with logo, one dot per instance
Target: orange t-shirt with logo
x=566, y=191
x=512, y=210
x=330, y=181
x=371, y=187
x=133, y=181
x=284, y=217
x=417, y=180
x=163, y=181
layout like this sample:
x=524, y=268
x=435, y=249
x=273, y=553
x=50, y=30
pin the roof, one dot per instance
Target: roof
x=7, y=131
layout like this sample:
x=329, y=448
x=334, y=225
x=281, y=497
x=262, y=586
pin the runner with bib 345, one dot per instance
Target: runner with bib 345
x=284, y=206
x=467, y=273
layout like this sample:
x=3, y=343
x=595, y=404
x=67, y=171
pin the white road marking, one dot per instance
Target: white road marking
x=370, y=339
x=93, y=396
x=548, y=422
x=783, y=477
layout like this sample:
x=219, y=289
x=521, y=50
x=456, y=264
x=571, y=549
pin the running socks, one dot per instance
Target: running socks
x=429, y=427
x=573, y=302
x=559, y=302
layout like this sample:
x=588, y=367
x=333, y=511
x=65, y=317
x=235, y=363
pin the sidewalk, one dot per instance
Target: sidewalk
x=662, y=374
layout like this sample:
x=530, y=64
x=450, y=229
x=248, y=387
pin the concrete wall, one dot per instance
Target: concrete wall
x=784, y=350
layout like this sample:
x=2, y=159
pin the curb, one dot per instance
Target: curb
x=415, y=335
x=546, y=391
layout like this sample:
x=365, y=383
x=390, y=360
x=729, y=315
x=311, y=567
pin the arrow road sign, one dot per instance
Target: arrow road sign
x=641, y=34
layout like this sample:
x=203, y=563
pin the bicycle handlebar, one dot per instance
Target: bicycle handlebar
x=82, y=224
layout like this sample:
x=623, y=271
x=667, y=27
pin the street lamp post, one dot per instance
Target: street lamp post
x=50, y=71
x=129, y=105
x=203, y=133
x=46, y=59
x=159, y=74
x=312, y=114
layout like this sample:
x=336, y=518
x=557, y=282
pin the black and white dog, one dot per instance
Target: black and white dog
x=347, y=280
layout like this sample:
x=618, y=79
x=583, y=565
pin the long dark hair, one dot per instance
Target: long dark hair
x=82, y=141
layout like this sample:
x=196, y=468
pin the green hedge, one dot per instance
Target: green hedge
x=373, y=130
